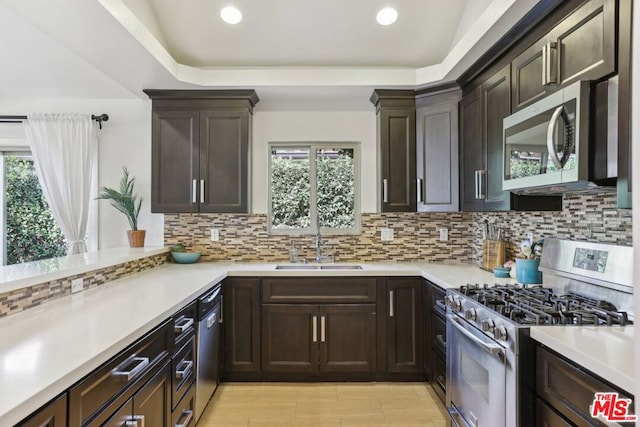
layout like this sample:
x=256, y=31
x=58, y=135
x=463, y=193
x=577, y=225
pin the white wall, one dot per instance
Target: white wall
x=316, y=126
x=124, y=140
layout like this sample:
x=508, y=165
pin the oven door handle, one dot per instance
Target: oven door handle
x=456, y=418
x=491, y=349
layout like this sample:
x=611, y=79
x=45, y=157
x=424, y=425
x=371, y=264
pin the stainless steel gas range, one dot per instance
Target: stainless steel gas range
x=490, y=355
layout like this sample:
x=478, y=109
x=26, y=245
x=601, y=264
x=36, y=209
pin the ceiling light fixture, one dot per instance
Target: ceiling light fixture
x=387, y=16
x=231, y=15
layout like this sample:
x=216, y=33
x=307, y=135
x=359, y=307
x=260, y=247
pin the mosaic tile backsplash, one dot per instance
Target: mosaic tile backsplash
x=244, y=237
x=22, y=299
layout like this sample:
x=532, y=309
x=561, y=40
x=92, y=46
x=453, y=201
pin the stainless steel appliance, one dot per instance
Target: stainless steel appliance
x=547, y=145
x=208, y=335
x=490, y=357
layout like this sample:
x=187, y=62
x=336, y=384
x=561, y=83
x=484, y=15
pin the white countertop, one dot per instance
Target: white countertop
x=45, y=350
x=604, y=350
x=19, y=276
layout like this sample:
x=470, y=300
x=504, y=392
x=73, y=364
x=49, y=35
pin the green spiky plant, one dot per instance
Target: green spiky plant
x=123, y=199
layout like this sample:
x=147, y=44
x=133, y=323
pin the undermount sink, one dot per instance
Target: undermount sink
x=296, y=267
x=340, y=267
x=319, y=267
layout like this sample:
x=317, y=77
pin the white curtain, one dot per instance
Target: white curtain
x=64, y=147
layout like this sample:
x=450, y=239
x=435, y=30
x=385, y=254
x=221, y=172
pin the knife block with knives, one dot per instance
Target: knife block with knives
x=493, y=246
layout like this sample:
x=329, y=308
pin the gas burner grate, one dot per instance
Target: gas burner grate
x=537, y=305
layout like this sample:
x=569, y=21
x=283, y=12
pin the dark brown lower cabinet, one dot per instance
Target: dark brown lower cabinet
x=567, y=391
x=149, y=406
x=52, y=415
x=241, y=324
x=404, y=325
x=184, y=413
x=307, y=338
x=547, y=417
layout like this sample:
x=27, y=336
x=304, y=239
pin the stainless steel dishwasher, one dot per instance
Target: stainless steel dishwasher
x=208, y=335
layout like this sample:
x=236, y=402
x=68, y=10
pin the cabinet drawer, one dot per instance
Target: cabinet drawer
x=567, y=388
x=439, y=380
x=547, y=417
x=183, y=368
x=319, y=290
x=103, y=385
x=184, y=414
x=54, y=414
x=184, y=324
x=437, y=300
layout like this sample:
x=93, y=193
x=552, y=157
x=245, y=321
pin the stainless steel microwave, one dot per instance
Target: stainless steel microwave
x=546, y=144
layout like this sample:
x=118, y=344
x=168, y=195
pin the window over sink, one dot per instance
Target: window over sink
x=314, y=183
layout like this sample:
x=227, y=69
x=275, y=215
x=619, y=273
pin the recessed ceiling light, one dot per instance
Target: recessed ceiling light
x=231, y=15
x=387, y=16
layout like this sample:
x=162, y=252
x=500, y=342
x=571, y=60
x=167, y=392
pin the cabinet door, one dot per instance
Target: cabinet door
x=152, y=403
x=290, y=337
x=625, y=168
x=404, y=325
x=586, y=43
x=496, y=95
x=526, y=76
x=224, y=160
x=348, y=338
x=437, y=157
x=52, y=415
x=241, y=320
x=471, y=150
x=174, y=161
x=397, y=128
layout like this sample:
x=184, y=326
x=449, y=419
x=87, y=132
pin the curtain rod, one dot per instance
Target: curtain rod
x=17, y=119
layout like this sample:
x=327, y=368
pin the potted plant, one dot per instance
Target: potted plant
x=129, y=204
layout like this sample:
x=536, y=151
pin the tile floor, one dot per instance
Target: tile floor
x=323, y=405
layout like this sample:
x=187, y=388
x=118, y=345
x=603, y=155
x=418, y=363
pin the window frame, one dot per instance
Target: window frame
x=313, y=146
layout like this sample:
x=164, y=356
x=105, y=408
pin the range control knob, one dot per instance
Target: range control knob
x=471, y=314
x=500, y=333
x=488, y=325
x=456, y=305
x=448, y=301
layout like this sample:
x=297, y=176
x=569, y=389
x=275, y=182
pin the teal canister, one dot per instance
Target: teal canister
x=527, y=271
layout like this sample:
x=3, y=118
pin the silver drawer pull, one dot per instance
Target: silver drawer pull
x=188, y=416
x=135, y=421
x=141, y=363
x=183, y=324
x=187, y=366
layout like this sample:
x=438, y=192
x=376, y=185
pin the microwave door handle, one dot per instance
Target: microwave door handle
x=551, y=132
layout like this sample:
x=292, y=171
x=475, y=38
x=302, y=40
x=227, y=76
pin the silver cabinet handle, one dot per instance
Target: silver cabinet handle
x=391, y=304
x=477, y=181
x=213, y=295
x=456, y=418
x=135, y=421
x=185, y=369
x=202, y=191
x=489, y=348
x=419, y=190
x=221, y=308
x=141, y=363
x=551, y=138
x=194, y=190
x=183, y=324
x=323, y=328
x=188, y=416
x=211, y=320
x=314, y=328
x=385, y=190
x=544, y=65
x=481, y=184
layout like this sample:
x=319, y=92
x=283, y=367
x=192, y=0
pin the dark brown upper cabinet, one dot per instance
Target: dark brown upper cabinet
x=396, y=130
x=482, y=112
x=437, y=151
x=200, y=150
x=580, y=47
